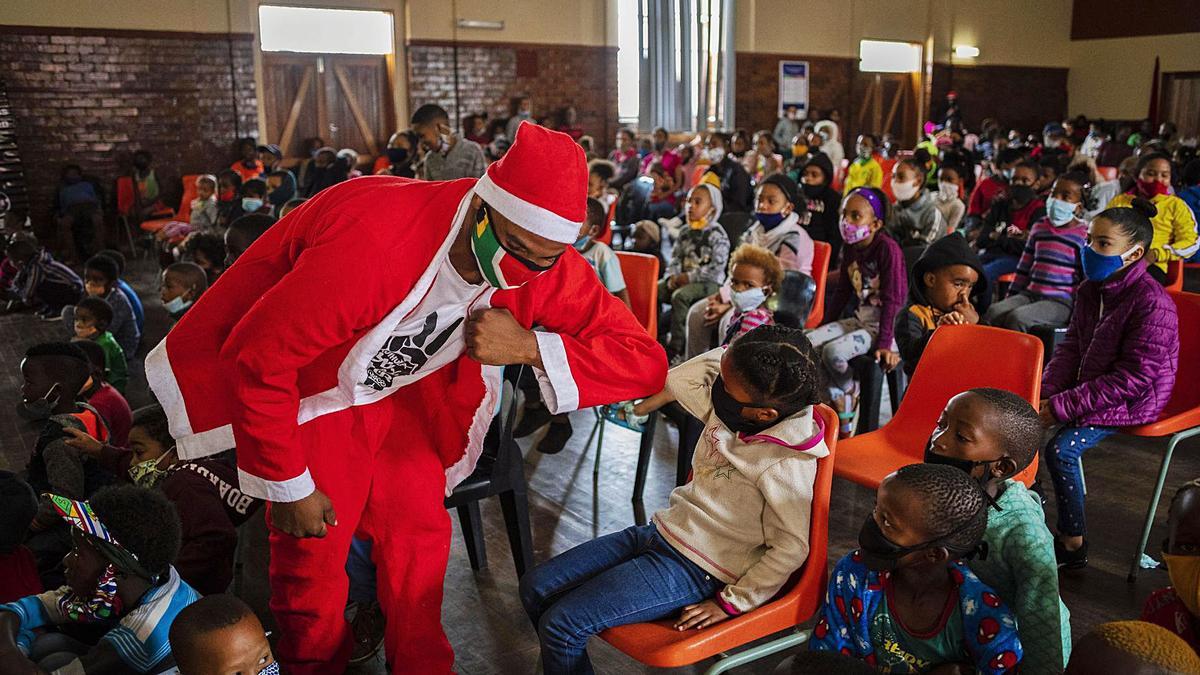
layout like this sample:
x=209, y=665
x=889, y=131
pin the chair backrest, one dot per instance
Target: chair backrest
x=1174, y=282
x=820, y=274
x=125, y=196
x=641, y=279
x=888, y=164
x=959, y=358
x=184, y=212
x=735, y=224
x=606, y=234
x=1186, y=395
x=381, y=163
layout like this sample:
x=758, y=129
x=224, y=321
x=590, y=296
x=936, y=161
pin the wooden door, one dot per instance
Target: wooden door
x=885, y=103
x=344, y=99
x=1181, y=102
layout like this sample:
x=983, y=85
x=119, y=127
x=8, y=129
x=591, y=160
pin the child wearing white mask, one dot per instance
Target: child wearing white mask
x=916, y=220
x=754, y=276
x=947, y=198
x=1050, y=267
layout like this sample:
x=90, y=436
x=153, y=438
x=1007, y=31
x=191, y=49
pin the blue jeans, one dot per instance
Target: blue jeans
x=1061, y=458
x=996, y=266
x=361, y=570
x=621, y=578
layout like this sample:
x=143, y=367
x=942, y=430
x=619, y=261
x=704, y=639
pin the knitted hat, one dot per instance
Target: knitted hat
x=822, y=162
x=711, y=182
x=540, y=184
x=787, y=186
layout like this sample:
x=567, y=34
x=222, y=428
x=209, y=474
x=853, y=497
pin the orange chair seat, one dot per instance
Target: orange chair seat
x=1167, y=424
x=155, y=225
x=870, y=460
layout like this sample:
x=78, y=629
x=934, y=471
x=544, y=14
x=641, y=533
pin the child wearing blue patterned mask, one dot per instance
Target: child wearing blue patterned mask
x=182, y=284
x=254, y=197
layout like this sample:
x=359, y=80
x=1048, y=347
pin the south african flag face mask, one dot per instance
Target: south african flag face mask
x=501, y=267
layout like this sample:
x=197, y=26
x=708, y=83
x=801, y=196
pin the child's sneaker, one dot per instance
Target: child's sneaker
x=1071, y=560
x=622, y=415
x=48, y=314
x=556, y=438
x=367, y=627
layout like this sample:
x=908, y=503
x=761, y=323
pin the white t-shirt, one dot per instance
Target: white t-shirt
x=430, y=337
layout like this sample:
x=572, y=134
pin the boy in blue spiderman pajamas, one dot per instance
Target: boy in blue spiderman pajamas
x=904, y=602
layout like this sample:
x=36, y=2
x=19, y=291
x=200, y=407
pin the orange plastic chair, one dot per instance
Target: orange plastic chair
x=381, y=163
x=1181, y=418
x=606, y=234
x=839, y=175
x=956, y=359
x=1174, y=283
x=641, y=279
x=1107, y=172
x=125, y=199
x=820, y=268
x=658, y=644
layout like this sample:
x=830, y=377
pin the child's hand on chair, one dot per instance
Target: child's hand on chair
x=700, y=615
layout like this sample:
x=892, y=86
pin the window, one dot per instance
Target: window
x=324, y=31
x=629, y=75
x=882, y=56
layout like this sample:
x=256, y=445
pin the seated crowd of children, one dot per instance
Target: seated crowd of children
x=109, y=539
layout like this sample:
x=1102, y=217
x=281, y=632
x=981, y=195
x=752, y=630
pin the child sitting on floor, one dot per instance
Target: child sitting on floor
x=905, y=602
x=946, y=287
x=1177, y=606
x=92, y=319
x=731, y=538
x=182, y=285
x=254, y=197
x=1115, y=368
x=119, y=580
x=219, y=634
x=100, y=275
x=697, y=267
x=243, y=232
x=869, y=293
x=42, y=283
x=208, y=251
x=1132, y=647
x=135, y=302
x=18, y=568
x=104, y=397
x=754, y=276
x=993, y=435
x=211, y=506
x=1050, y=268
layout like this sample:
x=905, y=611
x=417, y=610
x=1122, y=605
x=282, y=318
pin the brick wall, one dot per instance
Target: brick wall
x=1025, y=98
x=92, y=97
x=489, y=75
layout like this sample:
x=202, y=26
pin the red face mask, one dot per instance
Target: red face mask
x=1151, y=189
x=227, y=194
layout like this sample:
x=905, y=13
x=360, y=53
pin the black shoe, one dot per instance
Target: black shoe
x=532, y=420
x=1070, y=560
x=367, y=626
x=556, y=438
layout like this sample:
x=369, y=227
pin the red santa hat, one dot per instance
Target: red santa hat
x=540, y=184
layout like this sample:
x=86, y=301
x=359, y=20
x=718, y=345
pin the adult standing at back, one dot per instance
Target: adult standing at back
x=447, y=157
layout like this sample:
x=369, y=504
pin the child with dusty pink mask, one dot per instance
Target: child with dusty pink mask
x=868, y=294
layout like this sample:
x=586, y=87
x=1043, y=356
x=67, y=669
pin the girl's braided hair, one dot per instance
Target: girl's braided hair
x=780, y=364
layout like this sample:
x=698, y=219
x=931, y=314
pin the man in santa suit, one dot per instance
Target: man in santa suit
x=352, y=356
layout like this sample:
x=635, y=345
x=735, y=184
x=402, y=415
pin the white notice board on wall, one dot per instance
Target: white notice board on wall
x=793, y=86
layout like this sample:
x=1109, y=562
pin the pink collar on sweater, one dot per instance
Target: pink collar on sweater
x=803, y=446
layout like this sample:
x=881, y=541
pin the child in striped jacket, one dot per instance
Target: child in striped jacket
x=1049, y=269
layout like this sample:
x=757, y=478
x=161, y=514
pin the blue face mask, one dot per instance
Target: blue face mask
x=177, y=304
x=1008, y=173
x=582, y=243
x=1060, y=212
x=769, y=220
x=1098, y=267
x=251, y=204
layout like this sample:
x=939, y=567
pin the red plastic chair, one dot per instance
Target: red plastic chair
x=1181, y=418
x=659, y=644
x=641, y=280
x=1107, y=172
x=888, y=164
x=839, y=175
x=381, y=163
x=1174, y=282
x=820, y=268
x=956, y=359
x=183, y=213
x=606, y=233
x=125, y=200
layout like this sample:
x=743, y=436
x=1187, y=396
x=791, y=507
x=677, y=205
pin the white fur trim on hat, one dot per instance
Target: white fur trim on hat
x=532, y=217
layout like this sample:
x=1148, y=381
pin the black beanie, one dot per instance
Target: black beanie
x=822, y=162
x=790, y=190
x=951, y=249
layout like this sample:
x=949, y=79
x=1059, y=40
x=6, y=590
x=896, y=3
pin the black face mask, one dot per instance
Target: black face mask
x=729, y=411
x=812, y=191
x=1022, y=194
x=397, y=155
x=966, y=466
x=881, y=554
x=41, y=408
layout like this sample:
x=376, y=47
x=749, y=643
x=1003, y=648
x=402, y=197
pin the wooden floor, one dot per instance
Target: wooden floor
x=482, y=615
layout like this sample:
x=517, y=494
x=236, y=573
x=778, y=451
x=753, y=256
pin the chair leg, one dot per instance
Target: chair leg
x=897, y=382
x=1162, y=477
x=472, y=528
x=726, y=663
x=870, y=393
x=645, y=449
x=1082, y=478
x=599, y=447
x=515, y=505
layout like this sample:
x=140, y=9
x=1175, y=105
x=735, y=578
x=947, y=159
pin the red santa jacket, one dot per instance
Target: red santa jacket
x=285, y=335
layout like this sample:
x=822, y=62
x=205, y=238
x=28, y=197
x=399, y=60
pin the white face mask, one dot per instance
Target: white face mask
x=748, y=299
x=904, y=191
x=715, y=155
x=947, y=191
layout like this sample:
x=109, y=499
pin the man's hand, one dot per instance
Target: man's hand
x=305, y=517
x=700, y=615
x=79, y=440
x=888, y=359
x=494, y=338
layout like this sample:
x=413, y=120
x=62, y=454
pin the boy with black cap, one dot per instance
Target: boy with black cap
x=947, y=286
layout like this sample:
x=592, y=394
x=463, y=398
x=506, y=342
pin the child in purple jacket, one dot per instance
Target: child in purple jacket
x=1116, y=367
